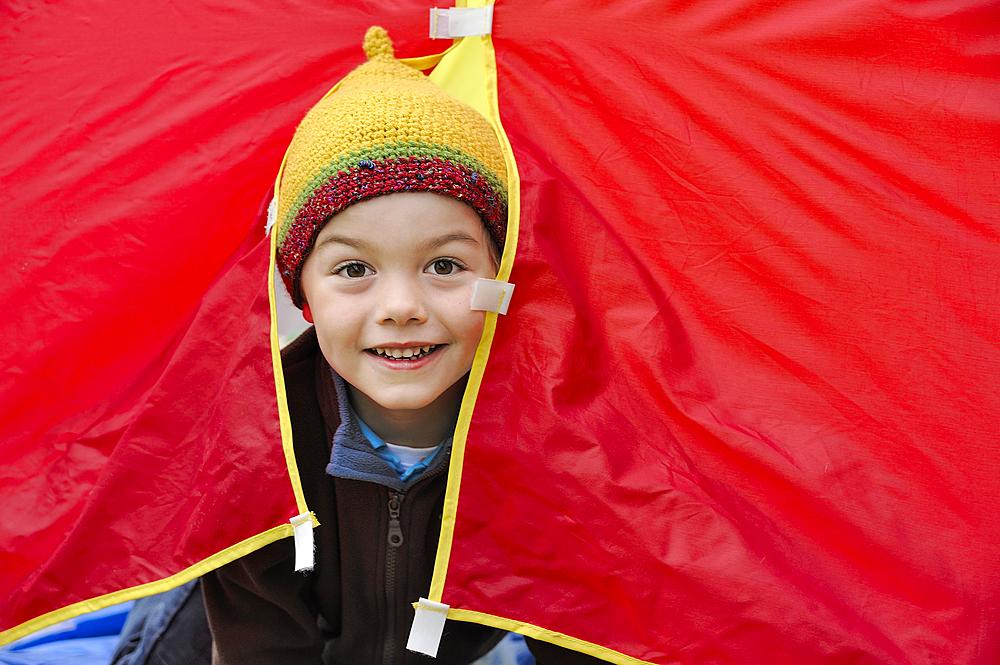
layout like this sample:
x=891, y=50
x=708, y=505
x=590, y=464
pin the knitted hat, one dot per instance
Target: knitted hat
x=386, y=128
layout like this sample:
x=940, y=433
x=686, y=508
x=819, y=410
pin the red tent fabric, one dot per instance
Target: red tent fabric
x=742, y=408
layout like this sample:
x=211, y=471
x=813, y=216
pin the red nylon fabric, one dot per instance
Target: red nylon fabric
x=743, y=408
x=138, y=426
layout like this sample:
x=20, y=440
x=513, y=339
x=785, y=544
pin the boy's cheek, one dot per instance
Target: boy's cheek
x=473, y=335
x=330, y=353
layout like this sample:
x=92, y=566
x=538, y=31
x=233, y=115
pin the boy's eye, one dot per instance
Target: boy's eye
x=353, y=270
x=445, y=266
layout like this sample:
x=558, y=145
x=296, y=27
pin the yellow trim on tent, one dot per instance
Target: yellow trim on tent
x=284, y=419
x=551, y=636
x=468, y=71
x=159, y=586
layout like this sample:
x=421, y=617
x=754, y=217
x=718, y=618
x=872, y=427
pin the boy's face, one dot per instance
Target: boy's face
x=393, y=276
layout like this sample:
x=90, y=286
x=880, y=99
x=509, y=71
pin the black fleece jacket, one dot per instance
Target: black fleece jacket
x=355, y=606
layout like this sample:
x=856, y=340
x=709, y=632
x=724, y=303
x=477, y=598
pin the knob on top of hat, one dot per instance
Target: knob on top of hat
x=377, y=44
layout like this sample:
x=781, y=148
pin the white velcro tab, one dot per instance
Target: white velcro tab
x=428, y=624
x=454, y=22
x=491, y=295
x=305, y=554
x=272, y=215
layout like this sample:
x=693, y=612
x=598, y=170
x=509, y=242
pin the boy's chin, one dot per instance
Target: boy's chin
x=411, y=398
x=403, y=403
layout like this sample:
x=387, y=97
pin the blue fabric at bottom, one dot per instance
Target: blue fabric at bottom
x=89, y=639
x=90, y=650
x=510, y=651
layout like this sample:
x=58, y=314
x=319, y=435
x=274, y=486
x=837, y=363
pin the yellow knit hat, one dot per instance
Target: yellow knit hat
x=387, y=128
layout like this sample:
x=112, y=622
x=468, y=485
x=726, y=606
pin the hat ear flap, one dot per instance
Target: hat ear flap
x=307, y=313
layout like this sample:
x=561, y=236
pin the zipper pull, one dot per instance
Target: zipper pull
x=395, y=532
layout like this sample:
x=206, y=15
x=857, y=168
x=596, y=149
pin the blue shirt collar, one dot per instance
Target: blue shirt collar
x=360, y=454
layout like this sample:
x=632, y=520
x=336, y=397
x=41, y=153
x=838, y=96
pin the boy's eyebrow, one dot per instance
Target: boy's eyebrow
x=356, y=243
x=441, y=241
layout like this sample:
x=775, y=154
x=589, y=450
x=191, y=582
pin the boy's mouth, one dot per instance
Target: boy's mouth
x=406, y=353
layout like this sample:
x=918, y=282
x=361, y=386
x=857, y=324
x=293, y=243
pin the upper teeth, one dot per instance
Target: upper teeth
x=404, y=353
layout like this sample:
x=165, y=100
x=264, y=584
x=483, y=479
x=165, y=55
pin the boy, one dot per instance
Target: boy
x=392, y=203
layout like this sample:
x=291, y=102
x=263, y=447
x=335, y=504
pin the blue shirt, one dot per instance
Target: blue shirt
x=385, y=453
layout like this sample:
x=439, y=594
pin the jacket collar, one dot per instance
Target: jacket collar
x=352, y=456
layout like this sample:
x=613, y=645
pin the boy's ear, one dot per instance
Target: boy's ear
x=307, y=313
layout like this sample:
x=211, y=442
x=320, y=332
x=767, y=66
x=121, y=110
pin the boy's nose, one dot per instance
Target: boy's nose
x=400, y=302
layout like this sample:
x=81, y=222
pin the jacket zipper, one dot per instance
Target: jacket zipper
x=395, y=540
